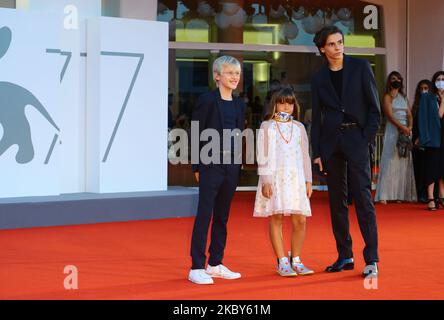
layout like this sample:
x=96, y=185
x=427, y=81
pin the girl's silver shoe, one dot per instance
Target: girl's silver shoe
x=284, y=268
x=299, y=267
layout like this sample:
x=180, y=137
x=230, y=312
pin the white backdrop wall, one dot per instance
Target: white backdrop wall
x=37, y=60
x=72, y=15
x=30, y=116
x=127, y=105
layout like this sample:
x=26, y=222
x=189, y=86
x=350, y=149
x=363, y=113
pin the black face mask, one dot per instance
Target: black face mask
x=396, y=84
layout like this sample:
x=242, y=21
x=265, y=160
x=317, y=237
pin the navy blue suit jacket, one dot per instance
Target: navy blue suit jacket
x=209, y=114
x=359, y=100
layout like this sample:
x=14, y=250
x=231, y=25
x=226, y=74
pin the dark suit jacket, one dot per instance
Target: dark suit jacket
x=209, y=114
x=359, y=101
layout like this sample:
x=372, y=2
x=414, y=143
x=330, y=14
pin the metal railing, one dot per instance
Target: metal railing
x=376, y=161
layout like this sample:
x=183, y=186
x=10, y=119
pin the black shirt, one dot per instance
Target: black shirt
x=229, y=113
x=336, y=79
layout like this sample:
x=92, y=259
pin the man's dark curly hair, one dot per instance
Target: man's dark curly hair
x=320, y=39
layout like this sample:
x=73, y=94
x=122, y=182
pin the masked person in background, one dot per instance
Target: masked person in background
x=431, y=138
x=396, y=179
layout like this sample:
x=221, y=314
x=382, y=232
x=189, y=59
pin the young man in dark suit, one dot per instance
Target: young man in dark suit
x=218, y=111
x=346, y=117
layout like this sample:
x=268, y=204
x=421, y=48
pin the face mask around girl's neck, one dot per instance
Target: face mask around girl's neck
x=283, y=116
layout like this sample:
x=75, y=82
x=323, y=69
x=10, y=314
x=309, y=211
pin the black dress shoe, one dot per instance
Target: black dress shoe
x=341, y=264
x=371, y=270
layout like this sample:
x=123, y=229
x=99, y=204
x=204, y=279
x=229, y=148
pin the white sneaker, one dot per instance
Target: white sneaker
x=223, y=272
x=199, y=276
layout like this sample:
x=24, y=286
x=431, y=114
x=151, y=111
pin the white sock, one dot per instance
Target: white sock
x=296, y=260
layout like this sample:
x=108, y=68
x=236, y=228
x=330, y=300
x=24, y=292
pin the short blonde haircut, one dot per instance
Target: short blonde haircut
x=224, y=60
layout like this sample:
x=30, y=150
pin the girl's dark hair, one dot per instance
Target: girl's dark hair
x=435, y=76
x=418, y=92
x=388, y=86
x=320, y=39
x=285, y=95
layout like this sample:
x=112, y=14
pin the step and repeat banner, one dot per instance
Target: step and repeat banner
x=30, y=114
x=77, y=116
x=70, y=53
x=127, y=110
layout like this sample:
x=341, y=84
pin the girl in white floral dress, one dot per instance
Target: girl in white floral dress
x=285, y=180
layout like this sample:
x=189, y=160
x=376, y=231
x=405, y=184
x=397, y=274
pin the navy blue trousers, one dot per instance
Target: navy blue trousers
x=217, y=184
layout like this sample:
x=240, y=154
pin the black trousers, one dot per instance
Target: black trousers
x=352, y=153
x=217, y=184
x=419, y=170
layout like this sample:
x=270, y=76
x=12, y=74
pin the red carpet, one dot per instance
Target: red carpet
x=150, y=260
